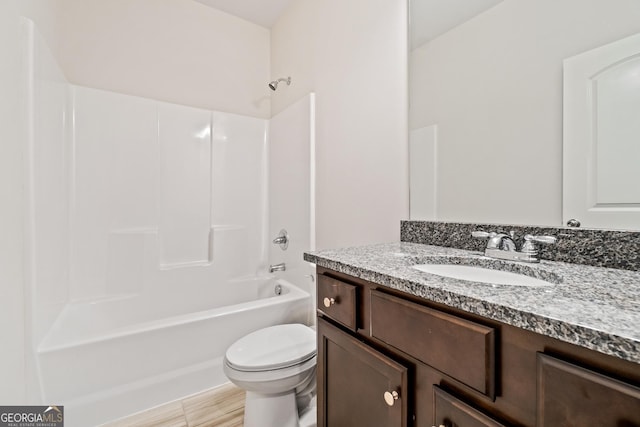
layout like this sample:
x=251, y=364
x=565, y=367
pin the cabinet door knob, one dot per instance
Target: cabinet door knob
x=328, y=302
x=390, y=397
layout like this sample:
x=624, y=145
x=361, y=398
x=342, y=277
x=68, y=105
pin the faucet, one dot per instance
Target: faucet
x=503, y=246
x=277, y=267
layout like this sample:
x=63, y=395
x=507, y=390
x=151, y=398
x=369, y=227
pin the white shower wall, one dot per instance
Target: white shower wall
x=161, y=180
x=156, y=188
x=292, y=188
x=47, y=161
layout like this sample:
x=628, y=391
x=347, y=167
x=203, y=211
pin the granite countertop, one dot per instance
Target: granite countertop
x=593, y=307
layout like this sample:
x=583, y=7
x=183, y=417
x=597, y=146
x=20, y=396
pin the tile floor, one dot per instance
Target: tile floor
x=219, y=407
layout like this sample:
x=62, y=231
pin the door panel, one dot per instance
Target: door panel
x=601, y=132
x=353, y=379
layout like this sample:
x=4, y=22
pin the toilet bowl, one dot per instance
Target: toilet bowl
x=276, y=367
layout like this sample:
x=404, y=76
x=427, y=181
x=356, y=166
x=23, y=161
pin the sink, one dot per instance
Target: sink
x=479, y=274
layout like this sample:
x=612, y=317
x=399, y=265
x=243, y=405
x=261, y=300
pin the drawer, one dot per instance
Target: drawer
x=337, y=300
x=459, y=348
x=450, y=412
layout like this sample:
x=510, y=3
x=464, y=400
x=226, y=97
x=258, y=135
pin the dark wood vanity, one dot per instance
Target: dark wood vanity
x=387, y=358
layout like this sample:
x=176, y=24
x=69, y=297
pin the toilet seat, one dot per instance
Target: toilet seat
x=275, y=347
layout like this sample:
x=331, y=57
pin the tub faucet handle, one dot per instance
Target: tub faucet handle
x=282, y=240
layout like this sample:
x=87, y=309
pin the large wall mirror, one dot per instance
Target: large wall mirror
x=486, y=107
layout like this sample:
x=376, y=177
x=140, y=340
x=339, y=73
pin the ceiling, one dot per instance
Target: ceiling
x=429, y=18
x=261, y=12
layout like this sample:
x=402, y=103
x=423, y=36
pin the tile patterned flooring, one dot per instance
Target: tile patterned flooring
x=219, y=407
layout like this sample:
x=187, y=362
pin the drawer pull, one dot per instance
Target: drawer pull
x=390, y=397
x=328, y=302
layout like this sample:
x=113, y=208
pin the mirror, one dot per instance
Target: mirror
x=486, y=104
x=601, y=127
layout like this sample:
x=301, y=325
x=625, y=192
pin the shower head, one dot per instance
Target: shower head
x=274, y=84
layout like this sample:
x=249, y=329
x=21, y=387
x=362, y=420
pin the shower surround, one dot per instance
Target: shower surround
x=147, y=244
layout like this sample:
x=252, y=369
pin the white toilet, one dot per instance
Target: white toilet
x=276, y=366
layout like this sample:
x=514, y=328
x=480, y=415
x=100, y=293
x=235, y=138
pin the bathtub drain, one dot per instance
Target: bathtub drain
x=278, y=289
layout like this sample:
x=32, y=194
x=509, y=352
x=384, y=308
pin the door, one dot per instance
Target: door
x=452, y=412
x=358, y=386
x=572, y=396
x=601, y=133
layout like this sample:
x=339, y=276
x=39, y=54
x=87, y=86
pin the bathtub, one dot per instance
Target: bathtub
x=107, y=359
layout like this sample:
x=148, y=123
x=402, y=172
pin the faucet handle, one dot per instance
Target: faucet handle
x=495, y=239
x=530, y=243
x=482, y=234
x=282, y=240
x=540, y=239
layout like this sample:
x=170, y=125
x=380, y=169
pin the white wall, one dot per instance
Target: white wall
x=353, y=55
x=291, y=192
x=164, y=198
x=13, y=145
x=46, y=170
x=493, y=86
x=11, y=212
x=179, y=51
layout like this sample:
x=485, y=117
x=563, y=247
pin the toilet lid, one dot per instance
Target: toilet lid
x=274, y=347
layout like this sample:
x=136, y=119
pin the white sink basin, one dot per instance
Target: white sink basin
x=482, y=275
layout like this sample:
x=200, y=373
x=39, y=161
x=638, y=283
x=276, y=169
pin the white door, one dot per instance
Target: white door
x=601, y=165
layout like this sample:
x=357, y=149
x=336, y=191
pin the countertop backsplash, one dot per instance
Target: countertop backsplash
x=594, y=247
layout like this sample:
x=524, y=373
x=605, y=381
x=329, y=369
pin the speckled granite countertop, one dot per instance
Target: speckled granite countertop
x=593, y=307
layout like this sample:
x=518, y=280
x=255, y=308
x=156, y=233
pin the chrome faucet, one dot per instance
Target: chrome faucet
x=277, y=267
x=503, y=246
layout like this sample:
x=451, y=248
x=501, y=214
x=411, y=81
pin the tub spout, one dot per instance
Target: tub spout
x=277, y=267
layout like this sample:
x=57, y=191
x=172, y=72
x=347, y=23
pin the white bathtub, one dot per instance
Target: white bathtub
x=105, y=360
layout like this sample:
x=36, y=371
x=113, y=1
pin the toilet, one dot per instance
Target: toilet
x=276, y=367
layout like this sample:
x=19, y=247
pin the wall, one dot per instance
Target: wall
x=353, y=55
x=179, y=51
x=46, y=169
x=12, y=183
x=292, y=190
x=162, y=198
x=493, y=86
x=11, y=223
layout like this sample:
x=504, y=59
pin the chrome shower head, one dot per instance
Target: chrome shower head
x=274, y=84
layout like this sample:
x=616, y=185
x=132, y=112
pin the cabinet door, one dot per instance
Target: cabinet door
x=572, y=396
x=452, y=412
x=357, y=386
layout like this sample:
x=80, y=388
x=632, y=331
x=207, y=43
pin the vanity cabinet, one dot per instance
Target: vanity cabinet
x=388, y=358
